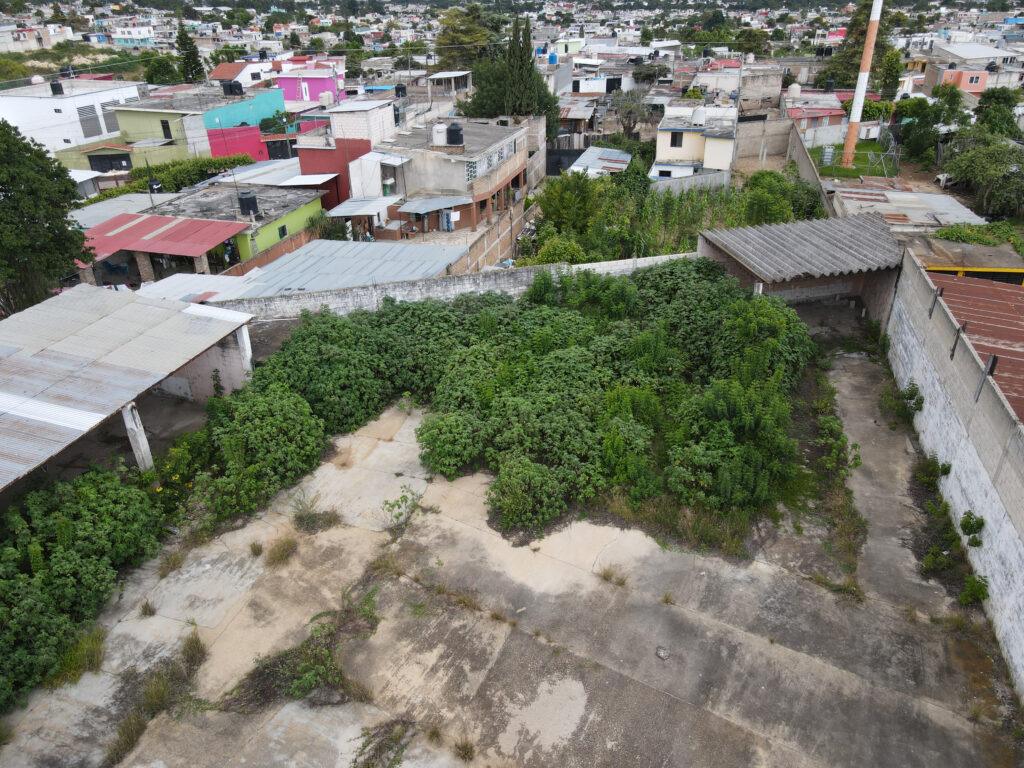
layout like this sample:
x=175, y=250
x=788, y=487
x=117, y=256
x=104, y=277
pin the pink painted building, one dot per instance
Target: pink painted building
x=232, y=141
x=309, y=84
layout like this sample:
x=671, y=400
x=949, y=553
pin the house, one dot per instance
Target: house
x=323, y=85
x=86, y=182
x=88, y=354
x=449, y=176
x=248, y=73
x=693, y=140
x=319, y=265
x=601, y=161
x=857, y=256
x=1000, y=263
x=16, y=39
x=175, y=123
x=135, y=248
x=271, y=215
x=972, y=67
x=67, y=113
x=132, y=202
x=450, y=84
x=141, y=36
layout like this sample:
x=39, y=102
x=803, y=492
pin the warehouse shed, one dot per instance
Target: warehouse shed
x=851, y=257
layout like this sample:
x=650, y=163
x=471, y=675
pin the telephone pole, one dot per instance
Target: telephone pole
x=850, y=146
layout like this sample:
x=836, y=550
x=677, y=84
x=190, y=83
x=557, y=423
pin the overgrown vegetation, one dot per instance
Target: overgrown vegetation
x=900, y=405
x=586, y=219
x=308, y=516
x=175, y=175
x=992, y=234
x=85, y=655
x=384, y=745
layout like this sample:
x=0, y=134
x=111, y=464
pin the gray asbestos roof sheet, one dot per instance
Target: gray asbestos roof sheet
x=815, y=248
x=322, y=265
x=70, y=362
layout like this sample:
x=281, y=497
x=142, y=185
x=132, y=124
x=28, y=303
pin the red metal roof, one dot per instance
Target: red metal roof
x=227, y=70
x=994, y=313
x=171, y=235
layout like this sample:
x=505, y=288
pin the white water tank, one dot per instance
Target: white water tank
x=750, y=58
x=700, y=116
x=326, y=98
x=37, y=79
x=439, y=135
x=793, y=91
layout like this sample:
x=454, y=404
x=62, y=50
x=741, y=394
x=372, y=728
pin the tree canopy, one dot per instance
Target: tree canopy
x=38, y=246
x=844, y=65
x=189, y=62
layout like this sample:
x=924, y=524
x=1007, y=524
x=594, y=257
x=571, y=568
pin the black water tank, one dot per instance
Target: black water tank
x=155, y=186
x=263, y=54
x=226, y=85
x=247, y=202
x=56, y=88
x=400, y=90
x=455, y=135
x=236, y=88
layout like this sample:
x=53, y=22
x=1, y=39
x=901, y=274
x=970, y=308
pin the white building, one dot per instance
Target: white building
x=14, y=39
x=67, y=113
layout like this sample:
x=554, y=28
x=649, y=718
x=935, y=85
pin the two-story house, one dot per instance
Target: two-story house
x=972, y=67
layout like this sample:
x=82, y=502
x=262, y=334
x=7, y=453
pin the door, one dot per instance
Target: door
x=305, y=91
x=107, y=163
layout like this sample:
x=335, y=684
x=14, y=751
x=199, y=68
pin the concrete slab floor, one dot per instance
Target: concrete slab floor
x=528, y=653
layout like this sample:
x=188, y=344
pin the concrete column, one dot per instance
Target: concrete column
x=137, y=436
x=244, y=347
x=145, y=264
x=87, y=276
x=203, y=265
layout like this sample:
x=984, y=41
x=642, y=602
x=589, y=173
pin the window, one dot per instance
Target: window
x=109, y=118
x=165, y=126
x=282, y=231
x=256, y=75
x=90, y=121
x=59, y=111
x=974, y=79
x=471, y=170
x=665, y=174
x=677, y=139
x=67, y=141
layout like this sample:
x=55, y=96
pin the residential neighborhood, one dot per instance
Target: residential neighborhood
x=540, y=384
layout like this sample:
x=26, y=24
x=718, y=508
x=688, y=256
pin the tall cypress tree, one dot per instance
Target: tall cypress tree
x=521, y=96
x=188, y=54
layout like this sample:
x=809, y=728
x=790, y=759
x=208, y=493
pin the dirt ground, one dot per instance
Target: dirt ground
x=530, y=655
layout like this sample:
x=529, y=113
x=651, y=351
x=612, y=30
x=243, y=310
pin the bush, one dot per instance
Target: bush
x=900, y=405
x=929, y=470
x=450, y=442
x=525, y=495
x=971, y=524
x=975, y=590
x=193, y=651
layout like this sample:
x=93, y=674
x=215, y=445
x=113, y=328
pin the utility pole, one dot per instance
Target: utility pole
x=850, y=146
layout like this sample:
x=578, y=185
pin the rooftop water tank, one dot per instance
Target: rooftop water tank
x=793, y=91
x=247, y=203
x=750, y=58
x=439, y=135
x=455, y=135
x=552, y=58
x=700, y=116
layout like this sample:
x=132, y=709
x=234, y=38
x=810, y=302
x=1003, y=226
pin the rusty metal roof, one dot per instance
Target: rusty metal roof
x=994, y=313
x=72, y=361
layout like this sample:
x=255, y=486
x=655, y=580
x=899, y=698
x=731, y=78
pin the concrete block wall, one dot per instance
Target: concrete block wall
x=769, y=138
x=513, y=282
x=982, y=440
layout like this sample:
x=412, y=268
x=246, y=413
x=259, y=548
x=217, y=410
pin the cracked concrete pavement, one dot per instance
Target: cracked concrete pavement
x=527, y=653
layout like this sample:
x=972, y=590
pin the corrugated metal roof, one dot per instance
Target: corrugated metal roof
x=994, y=313
x=172, y=235
x=72, y=361
x=601, y=160
x=814, y=248
x=364, y=206
x=133, y=202
x=429, y=204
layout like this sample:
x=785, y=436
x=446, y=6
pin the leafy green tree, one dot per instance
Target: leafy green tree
x=227, y=53
x=1001, y=121
x=293, y=40
x=38, y=246
x=646, y=35
x=844, y=65
x=762, y=207
x=992, y=166
x=630, y=109
x=559, y=249
x=649, y=72
x=189, y=62
x=463, y=38
x=872, y=110
x=753, y=41
x=161, y=70
x=887, y=74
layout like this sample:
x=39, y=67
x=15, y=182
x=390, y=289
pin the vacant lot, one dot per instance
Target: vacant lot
x=592, y=646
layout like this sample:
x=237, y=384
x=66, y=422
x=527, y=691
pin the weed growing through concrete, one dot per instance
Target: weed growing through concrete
x=310, y=669
x=129, y=731
x=434, y=735
x=86, y=655
x=281, y=551
x=386, y=564
x=464, y=750
x=193, y=651
x=307, y=515
x=668, y=599
x=419, y=610
x=147, y=609
x=398, y=512
x=384, y=745
x=156, y=693
x=612, y=575
x=848, y=587
x=255, y=548
x=499, y=617
x=171, y=562
x=900, y=405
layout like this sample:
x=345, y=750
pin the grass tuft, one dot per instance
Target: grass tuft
x=193, y=651
x=156, y=694
x=612, y=575
x=129, y=731
x=307, y=515
x=147, y=609
x=464, y=750
x=667, y=599
x=171, y=562
x=281, y=551
x=86, y=655
x=255, y=548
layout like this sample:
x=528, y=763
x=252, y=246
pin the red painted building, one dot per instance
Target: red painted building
x=333, y=159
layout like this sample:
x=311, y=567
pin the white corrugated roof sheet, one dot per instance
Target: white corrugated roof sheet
x=72, y=361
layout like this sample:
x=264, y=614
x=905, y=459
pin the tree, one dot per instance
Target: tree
x=463, y=37
x=646, y=36
x=888, y=73
x=293, y=40
x=521, y=85
x=649, y=72
x=160, y=70
x=992, y=165
x=843, y=67
x=872, y=110
x=752, y=41
x=317, y=43
x=227, y=53
x=191, y=65
x=630, y=108
x=995, y=111
x=37, y=244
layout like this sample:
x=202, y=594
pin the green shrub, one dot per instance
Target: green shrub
x=129, y=731
x=281, y=551
x=526, y=495
x=929, y=470
x=971, y=523
x=975, y=590
x=900, y=405
x=450, y=442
